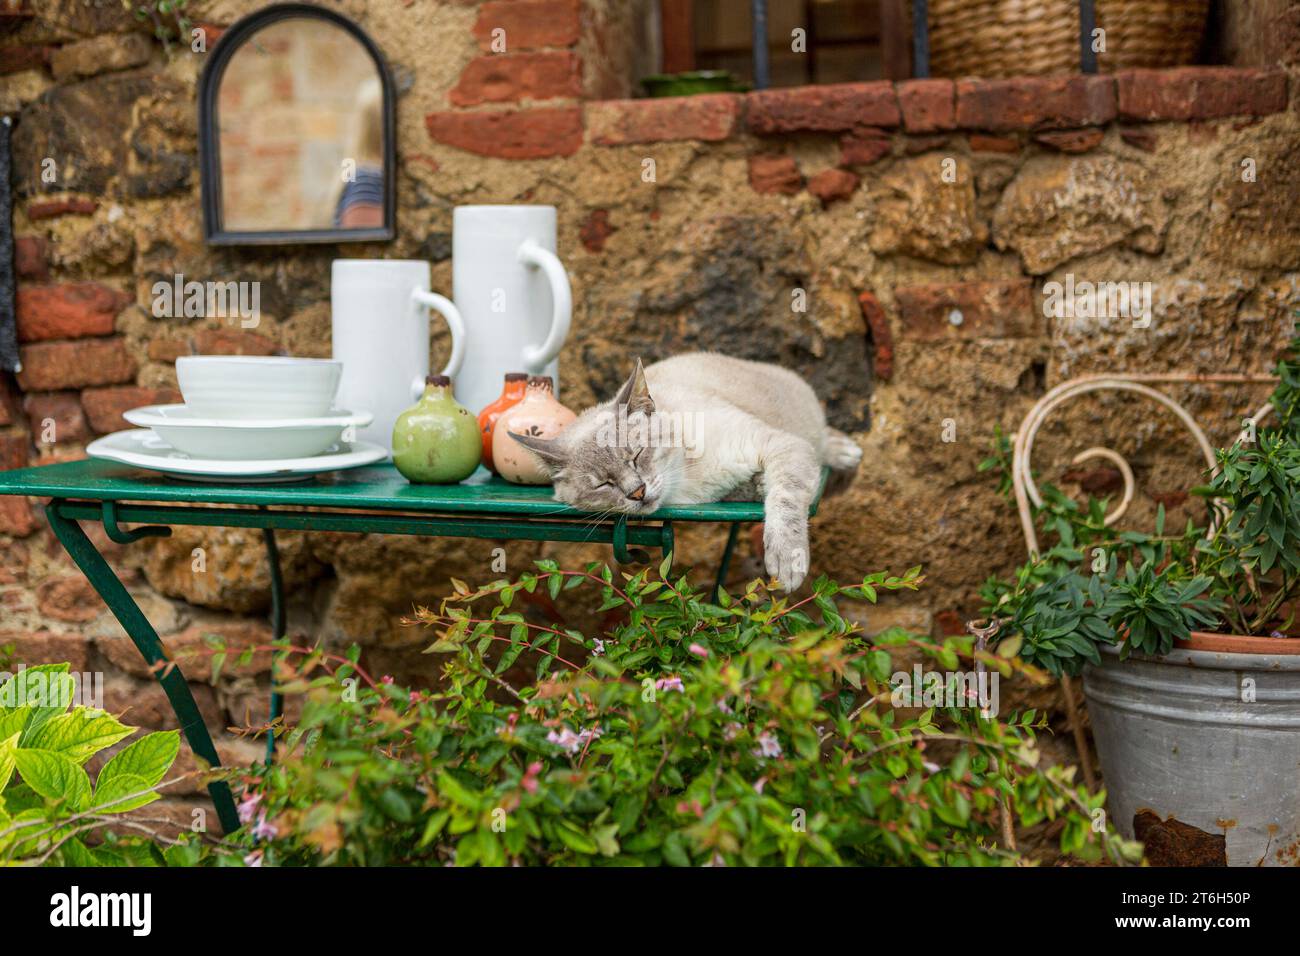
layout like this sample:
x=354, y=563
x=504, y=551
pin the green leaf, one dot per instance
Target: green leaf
x=54, y=776
x=123, y=792
x=79, y=734
x=150, y=758
x=7, y=749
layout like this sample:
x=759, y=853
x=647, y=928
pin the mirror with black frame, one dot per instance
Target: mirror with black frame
x=296, y=132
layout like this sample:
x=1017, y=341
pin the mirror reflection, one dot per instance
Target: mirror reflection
x=301, y=131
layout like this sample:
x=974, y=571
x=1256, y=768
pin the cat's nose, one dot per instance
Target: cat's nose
x=638, y=494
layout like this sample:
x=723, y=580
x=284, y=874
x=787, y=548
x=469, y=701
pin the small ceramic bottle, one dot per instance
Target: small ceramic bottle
x=436, y=441
x=512, y=393
x=539, y=415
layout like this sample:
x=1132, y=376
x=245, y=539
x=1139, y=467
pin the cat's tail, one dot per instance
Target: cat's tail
x=843, y=456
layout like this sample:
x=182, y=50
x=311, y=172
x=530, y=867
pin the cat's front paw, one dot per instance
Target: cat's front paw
x=785, y=553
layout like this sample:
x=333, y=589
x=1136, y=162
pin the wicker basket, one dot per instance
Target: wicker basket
x=1036, y=37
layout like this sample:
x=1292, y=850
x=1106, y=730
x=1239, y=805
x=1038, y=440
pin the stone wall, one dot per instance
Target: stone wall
x=920, y=223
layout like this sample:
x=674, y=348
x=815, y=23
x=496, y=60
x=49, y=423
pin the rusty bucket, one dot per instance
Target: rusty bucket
x=1200, y=750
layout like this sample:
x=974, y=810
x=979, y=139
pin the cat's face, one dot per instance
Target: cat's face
x=606, y=460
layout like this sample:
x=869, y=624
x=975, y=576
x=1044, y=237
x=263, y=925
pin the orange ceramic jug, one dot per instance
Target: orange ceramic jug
x=512, y=393
x=539, y=415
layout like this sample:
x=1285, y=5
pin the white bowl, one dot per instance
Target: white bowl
x=257, y=387
x=243, y=439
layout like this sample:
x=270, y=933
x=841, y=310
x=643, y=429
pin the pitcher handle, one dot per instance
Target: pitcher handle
x=444, y=307
x=536, y=357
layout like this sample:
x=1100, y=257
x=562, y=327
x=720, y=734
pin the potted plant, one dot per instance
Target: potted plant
x=1188, y=648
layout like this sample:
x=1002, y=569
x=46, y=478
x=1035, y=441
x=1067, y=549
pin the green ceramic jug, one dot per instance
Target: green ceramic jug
x=436, y=441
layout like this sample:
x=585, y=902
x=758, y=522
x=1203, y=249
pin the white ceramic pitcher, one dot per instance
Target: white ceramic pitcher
x=513, y=293
x=379, y=313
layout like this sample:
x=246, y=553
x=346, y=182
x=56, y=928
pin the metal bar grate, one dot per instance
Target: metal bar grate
x=1087, y=23
x=920, y=38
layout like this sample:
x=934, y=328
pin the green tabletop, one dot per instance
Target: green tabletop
x=376, y=487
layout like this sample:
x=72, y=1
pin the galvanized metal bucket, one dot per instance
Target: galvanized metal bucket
x=1201, y=753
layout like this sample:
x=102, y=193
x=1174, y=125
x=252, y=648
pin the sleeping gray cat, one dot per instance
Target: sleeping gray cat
x=699, y=428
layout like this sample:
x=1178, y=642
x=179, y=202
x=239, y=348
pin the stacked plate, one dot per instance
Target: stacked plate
x=246, y=419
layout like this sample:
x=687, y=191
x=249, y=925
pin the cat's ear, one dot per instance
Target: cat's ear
x=635, y=393
x=549, y=450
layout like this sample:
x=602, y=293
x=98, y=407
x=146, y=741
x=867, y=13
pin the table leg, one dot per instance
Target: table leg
x=725, y=564
x=277, y=631
x=145, y=638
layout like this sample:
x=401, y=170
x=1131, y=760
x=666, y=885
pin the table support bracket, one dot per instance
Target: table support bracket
x=145, y=638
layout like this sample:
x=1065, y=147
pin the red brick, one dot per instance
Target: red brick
x=9, y=403
x=983, y=143
x=830, y=108
x=69, y=310
x=865, y=146
x=528, y=24
x=168, y=350
x=1200, y=92
x=511, y=77
x=68, y=597
x=1036, y=102
x=1072, y=140
x=32, y=648
x=595, y=230
x=831, y=185
x=928, y=106
x=50, y=366
x=878, y=335
x=17, y=520
x=769, y=173
x=510, y=134
x=31, y=258
x=950, y=623
x=212, y=32
x=1139, y=138
x=995, y=310
x=224, y=341
x=710, y=117
x=63, y=408
x=60, y=207
x=104, y=406
x=14, y=450
x=14, y=59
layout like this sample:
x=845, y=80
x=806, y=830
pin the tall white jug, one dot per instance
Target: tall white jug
x=513, y=293
x=379, y=313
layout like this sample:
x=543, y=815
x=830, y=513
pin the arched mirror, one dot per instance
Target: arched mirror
x=296, y=121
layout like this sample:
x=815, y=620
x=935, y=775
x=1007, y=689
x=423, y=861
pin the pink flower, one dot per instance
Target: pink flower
x=699, y=650
x=768, y=745
x=248, y=806
x=253, y=859
x=572, y=742
x=530, y=776
x=599, y=649
x=759, y=784
x=731, y=731
x=386, y=679
x=670, y=683
x=722, y=705
x=263, y=830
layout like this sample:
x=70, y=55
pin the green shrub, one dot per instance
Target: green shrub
x=754, y=731
x=48, y=804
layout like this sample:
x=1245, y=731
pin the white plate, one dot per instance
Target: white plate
x=245, y=439
x=143, y=449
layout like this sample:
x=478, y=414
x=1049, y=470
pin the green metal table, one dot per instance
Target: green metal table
x=374, y=500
